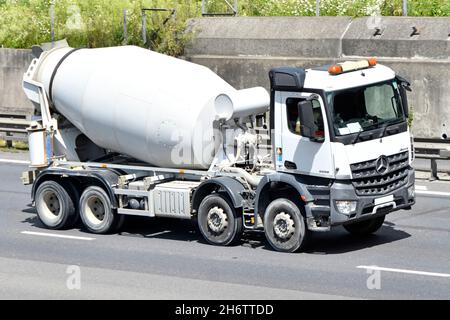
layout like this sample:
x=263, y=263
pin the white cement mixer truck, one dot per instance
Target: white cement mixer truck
x=127, y=131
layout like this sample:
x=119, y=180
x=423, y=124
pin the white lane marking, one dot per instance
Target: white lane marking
x=14, y=161
x=422, y=273
x=434, y=193
x=423, y=188
x=43, y=234
x=158, y=233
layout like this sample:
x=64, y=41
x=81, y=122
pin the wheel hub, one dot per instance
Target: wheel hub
x=95, y=210
x=52, y=202
x=98, y=209
x=283, y=226
x=217, y=219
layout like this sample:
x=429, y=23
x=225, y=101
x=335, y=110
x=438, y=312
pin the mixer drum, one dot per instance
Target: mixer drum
x=150, y=106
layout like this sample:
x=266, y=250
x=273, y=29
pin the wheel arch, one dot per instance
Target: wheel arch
x=280, y=185
x=102, y=178
x=230, y=186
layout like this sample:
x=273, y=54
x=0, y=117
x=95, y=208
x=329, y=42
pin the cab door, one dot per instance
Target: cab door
x=295, y=153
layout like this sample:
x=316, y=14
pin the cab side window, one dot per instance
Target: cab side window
x=294, y=120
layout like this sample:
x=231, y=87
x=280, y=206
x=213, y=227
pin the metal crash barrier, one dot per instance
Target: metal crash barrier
x=432, y=150
x=13, y=127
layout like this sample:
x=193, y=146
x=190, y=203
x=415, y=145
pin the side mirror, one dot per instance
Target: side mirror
x=404, y=86
x=305, y=113
x=404, y=100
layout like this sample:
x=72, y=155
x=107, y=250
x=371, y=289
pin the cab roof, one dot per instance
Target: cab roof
x=298, y=79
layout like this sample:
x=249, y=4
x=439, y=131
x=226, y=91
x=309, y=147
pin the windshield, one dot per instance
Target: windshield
x=365, y=108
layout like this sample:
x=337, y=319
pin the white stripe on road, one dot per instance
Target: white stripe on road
x=422, y=273
x=421, y=187
x=434, y=193
x=14, y=161
x=56, y=235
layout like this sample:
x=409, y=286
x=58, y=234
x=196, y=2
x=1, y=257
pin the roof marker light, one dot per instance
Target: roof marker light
x=372, y=61
x=352, y=66
x=335, y=69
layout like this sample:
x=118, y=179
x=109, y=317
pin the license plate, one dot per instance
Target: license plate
x=384, y=199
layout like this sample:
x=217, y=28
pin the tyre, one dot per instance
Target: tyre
x=218, y=221
x=96, y=211
x=55, y=206
x=366, y=227
x=285, y=227
x=74, y=194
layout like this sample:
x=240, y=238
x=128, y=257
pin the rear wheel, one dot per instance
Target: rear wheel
x=96, y=211
x=218, y=221
x=285, y=227
x=74, y=194
x=55, y=206
x=366, y=227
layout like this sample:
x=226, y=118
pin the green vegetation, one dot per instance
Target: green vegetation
x=353, y=8
x=95, y=23
x=99, y=23
x=17, y=146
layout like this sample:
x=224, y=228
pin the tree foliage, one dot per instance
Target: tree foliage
x=96, y=23
x=100, y=23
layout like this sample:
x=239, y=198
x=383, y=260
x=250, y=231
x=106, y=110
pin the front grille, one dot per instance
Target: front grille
x=367, y=181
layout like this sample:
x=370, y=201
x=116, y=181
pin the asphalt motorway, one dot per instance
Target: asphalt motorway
x=409, y=258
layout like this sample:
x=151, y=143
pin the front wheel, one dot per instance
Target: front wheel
x=96, y=211
x=285, y=226
x=218, y=221
x=366, y=227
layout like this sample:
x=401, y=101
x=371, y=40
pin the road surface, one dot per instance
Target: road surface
x=409, y=258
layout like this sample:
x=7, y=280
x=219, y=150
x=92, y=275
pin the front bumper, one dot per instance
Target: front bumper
x=322, y=217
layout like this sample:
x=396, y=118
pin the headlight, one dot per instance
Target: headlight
x=346, y=207
x=411, y=192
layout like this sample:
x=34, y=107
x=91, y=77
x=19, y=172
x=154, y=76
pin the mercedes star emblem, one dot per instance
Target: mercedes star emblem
x=382, y=165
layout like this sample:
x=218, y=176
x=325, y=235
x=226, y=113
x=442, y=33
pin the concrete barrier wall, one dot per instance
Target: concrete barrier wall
x=279, y=37
x=242, y=50
x=13, y=64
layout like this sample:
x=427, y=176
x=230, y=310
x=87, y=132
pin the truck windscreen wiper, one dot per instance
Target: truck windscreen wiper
x=388, y=124
x=357, y=136
x=384, y=130
x=361, y=131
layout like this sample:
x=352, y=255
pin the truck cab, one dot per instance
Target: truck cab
x=341, y=138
